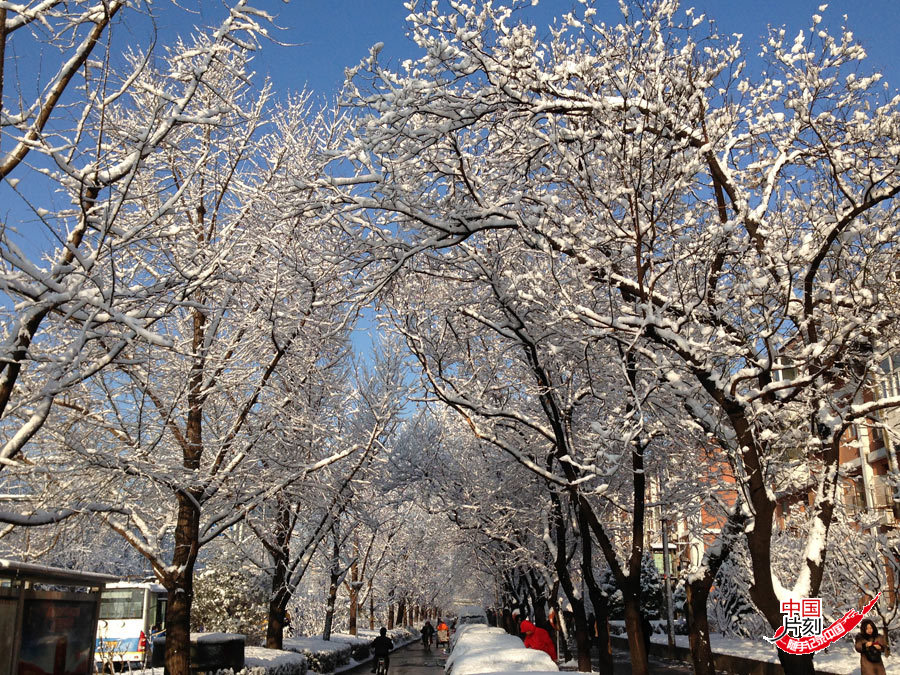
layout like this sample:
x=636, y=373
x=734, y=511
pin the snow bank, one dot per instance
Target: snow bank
x=485, y=649
x=257, y=661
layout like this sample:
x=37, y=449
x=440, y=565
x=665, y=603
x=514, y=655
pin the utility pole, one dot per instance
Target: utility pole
x=664, y=522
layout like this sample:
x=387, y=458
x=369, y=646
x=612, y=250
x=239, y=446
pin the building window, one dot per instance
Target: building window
x=784, y=370
x=890, y=381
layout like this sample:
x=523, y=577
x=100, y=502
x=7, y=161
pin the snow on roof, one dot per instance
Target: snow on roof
x=153, y=586
x=517, y=659
x=13, y=569
x=212, y=638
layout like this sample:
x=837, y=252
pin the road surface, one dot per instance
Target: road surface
x=414, y=660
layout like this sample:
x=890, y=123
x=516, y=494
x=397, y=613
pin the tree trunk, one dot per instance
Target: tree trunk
x=697, y=592
x=400, y=620
x=354, y=589
x=180, y=587
x=604, y=644
x=275, y=625
x=178, y=631
x=335, y=580
x=636, y=646
x=561, y=564
x=280, y=594
x=390, y=616
x=794, y=664
x=371, y=607
x=598, y=599
x=698, y=625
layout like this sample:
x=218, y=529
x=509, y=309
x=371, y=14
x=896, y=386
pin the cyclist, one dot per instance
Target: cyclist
x=381, y=649
x=427, y=634
x=443, y=633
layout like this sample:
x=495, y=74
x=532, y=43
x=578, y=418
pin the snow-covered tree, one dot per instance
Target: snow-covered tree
x=75, y=130
x=730, y=607
x=186, y=432
x=736, y=230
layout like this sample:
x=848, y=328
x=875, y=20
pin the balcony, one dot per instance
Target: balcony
x=883, y=501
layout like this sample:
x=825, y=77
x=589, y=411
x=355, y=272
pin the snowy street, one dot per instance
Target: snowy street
x=411, y=660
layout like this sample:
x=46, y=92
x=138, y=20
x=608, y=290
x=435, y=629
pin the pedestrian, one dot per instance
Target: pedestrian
x=870, y=646
x=427, y=634
x=538, y=638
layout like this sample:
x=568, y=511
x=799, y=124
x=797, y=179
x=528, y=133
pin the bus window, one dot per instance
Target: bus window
x=122, y=603
x=157, y=611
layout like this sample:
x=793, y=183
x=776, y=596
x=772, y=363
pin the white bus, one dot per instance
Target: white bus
x=131, y=614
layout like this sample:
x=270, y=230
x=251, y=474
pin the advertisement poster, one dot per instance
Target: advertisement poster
x=57, y=638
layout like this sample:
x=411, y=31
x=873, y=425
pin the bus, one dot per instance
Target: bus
x=131, y=614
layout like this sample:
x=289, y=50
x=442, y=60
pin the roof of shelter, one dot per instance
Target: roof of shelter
x=13, y=569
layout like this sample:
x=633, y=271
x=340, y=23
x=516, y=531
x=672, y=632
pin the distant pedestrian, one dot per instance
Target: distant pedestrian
x=870, y=646
x=538, y=638
x=427, y=634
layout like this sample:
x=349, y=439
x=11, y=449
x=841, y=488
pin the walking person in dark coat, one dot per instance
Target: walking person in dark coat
x=870, y=646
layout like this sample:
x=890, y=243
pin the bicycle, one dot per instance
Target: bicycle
x=381, y=668
x=426, y=642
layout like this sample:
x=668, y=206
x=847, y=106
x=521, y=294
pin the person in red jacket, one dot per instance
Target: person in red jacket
x=538, y=638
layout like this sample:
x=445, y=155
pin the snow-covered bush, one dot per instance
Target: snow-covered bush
x=322, y=656
x=359, y=644
x=615, y=603
x=652, y=596
x=230, y=601
x=262, y=661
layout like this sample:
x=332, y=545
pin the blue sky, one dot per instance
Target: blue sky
x=327, y=37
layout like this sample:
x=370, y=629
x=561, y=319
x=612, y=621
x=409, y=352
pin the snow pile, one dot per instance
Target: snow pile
x=839, y=659
x=323, y=656
x=484, y=649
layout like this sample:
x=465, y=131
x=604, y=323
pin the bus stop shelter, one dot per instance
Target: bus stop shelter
x=48, y=619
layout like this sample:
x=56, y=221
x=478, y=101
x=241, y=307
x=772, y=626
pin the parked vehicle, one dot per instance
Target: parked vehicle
x=471, y=614
x=131, y=615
